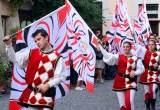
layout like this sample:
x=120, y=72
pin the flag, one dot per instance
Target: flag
x=83, y=42
x=141, y=25
x=55, y=25
x=121, y=26
x=110, y=35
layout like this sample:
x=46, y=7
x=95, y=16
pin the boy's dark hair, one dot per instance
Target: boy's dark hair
x=100, y=37
x=42, y=31
x=126, y=42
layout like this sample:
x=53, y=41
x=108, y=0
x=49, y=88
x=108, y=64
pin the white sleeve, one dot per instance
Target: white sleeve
x=20, y=58
x=140, y=51
x=140, y=67
x=109, y=58
x=60, y=73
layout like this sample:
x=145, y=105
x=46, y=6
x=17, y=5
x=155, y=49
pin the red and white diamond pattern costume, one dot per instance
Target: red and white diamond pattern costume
x=151, y=60
x=150, y=78
x=125, y=89
x=42, y=67
x=125, y=65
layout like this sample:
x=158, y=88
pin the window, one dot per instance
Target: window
x=152, y=10
x=25, y=18
x=4, y=24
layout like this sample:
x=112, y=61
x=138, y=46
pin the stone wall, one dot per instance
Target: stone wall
x=11, y=22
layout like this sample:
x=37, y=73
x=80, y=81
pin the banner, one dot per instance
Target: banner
x=55, y=25
x=142, y=26
x=120, y=29
x=83, y=42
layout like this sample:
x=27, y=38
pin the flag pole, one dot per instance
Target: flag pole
x=11, y=36
x=34, y=22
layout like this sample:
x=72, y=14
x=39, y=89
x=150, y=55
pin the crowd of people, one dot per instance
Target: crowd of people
x=123, y=68
x=145, y=63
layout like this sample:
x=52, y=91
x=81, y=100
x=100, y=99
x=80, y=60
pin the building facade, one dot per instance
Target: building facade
x=133, y=6
x=8, y=22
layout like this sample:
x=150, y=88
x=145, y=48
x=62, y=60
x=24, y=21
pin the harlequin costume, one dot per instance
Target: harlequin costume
x=150, y=78
x=124, y=86
x=42, y=67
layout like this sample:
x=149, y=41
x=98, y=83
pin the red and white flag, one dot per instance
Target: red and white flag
x=55, y=24
x=83, y=42
x=121, y=26
x=141, y=25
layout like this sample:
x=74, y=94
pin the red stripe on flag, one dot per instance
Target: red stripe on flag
x=75, y=64
x=82, y=69
x=17, y=81
x=68, y=6
x=62, y=16
x=67, y=63
x=119, y=25
x=19, y=35
x=77, y=22
x=68, y=85
x=76, y=38
x=14, y=106
x=139, y=38
x=137, y=26
x=70, y=55
x=60, y=45
x=91, y=69
x=106, y=38
x=146, y=36
x=134, y=48
x=113, y=25
x=126, y=24
x=90, y=87
x=94, y=41
x=142, y=7
x=69, y=30
x=116, y=40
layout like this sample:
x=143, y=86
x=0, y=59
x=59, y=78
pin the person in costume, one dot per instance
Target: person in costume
x=150, y=78
x=153, y=37
x=125, y=83
x=45, y=70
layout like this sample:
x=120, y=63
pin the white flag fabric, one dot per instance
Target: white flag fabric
x=142, y=26
x=83, y=42
x=55, y=25
x=121, y=26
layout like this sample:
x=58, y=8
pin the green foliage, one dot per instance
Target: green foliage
x=15, y=4
x=3, y=68
x=88, y=9
x=13, y=30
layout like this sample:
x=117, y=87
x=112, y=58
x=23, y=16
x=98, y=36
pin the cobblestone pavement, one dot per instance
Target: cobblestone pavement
x=103, y=99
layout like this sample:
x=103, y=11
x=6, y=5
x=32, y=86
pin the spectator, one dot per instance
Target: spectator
x=99, y=64
x=80, y=86
x=74, y=75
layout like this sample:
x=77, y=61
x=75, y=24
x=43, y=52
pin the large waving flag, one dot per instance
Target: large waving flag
x=55, y=24
x=83, y=43
x=110, y=35
x=142, y=26
x=120, y=28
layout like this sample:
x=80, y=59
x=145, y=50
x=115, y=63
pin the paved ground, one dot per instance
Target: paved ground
x=103, y=99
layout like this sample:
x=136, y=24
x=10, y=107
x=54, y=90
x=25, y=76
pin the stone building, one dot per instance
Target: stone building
x=8, y=22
